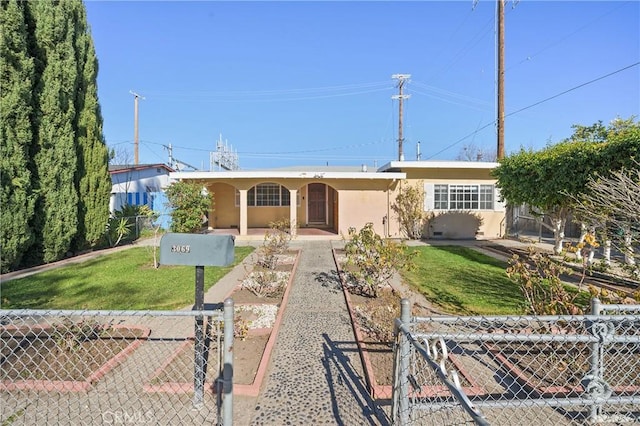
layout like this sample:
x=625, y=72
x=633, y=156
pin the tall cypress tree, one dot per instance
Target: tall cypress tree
x=55, y=154
x=93, y=181
x=16, y=135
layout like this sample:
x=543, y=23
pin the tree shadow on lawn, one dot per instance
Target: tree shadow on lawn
x=31, y=292
x=472, y=255
x=500, y=294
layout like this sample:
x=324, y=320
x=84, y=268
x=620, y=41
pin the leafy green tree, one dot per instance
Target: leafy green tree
x=543, y=179
x=597, y=132
x=610, y=201
x=548, y=180
x=189, y=203
x=16, y=135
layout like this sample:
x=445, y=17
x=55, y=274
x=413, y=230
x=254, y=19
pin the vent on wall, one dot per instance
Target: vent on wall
x=437, y=233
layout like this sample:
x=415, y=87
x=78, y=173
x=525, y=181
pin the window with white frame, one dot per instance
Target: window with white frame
x=266, y=194
x=440, y=197
x=463, y=197
x=486, y=197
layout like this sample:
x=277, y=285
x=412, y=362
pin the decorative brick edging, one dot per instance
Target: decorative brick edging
x=252, y=389
x=79, y=385
x=379, y=391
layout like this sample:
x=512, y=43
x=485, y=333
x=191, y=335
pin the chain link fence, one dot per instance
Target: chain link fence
x=125, y=367
x=521, y=370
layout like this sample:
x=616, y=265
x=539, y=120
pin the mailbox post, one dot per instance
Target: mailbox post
x=197, y=250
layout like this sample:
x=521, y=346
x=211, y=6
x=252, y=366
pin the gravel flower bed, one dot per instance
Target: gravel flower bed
x=258, y=316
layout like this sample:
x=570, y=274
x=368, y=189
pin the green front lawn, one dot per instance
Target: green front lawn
x=463, y=281
x=122, y=280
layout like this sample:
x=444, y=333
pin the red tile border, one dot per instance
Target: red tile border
x=238, y=389
x=378, y=391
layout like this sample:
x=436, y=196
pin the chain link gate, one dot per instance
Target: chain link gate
x=116, y=367
x=520, y=370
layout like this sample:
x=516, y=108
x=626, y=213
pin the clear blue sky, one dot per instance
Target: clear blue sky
x=309, y=83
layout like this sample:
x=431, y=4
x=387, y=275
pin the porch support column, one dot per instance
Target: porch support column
x=293, y=211
x=243, y=211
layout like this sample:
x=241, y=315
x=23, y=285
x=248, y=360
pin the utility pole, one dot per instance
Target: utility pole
x=500, y=17
x=170, y=151
x=136, y=97
x=402, y=78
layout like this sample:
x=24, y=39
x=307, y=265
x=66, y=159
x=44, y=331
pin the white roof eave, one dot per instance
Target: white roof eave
x=466, y=165
x=286, y=175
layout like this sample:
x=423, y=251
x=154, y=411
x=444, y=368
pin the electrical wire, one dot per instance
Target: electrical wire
x=463, y=51
x=573, y=88
x=533, y=105
x=450, y=93
x=298, y=154
x=555, y=43
x=275, y=95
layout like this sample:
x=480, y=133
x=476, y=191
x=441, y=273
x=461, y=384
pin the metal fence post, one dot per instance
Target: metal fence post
x=595, y=370
x=199, y=346
x=403, y=403
x=227, y=369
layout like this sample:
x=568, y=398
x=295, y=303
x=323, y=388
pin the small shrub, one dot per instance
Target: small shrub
x=68, y=335
x=539, y=279
x=409, y=206
x=373, y=260
x=267, y=283
x=240, y=328
x=276, y=242
x=189, y=203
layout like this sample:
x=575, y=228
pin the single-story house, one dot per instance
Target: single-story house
x=138, y=185
x=462, y=196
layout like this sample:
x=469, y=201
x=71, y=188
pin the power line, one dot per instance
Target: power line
x=470, y=45
x=574, y=88
x=532, y=105
x=555, y=43
x=449, y=93
x=276, y=95
x=369, y=144
x=258, y=153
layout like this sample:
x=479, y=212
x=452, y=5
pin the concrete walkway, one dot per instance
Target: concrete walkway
x=315, y=375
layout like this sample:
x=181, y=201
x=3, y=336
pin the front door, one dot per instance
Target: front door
x=317, y=203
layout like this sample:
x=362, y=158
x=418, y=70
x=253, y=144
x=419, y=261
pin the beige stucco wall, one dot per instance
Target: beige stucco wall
x=482, y=224
x=358, y=207
x=466, y=225
x=227, y=215
x=360, y=201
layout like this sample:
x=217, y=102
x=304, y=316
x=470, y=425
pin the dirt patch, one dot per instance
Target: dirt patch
x=555, y=368
x=41, y=353
x=247, y=354
x=244, y=296
x=374, y=317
